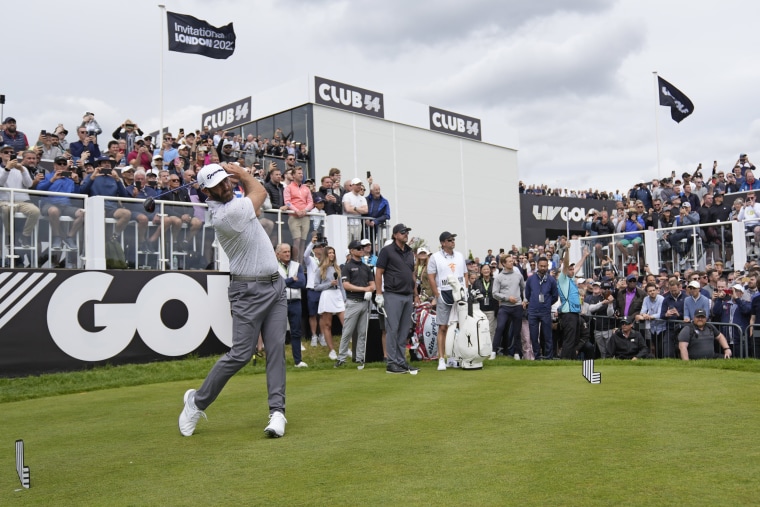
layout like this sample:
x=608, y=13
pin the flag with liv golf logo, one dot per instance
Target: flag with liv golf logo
x=192, y=35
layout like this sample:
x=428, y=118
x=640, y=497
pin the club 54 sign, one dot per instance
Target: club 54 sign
x=454, y=123
x=229, y=116
x=348, y=97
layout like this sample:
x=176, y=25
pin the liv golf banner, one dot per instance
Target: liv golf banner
x=192, y=35
x=670, y=96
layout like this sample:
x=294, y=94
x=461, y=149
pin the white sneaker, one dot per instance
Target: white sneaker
x=441, y=364
x=492, y=356
x=322, y=340
x=301, y=365
x=517, y=357
x=276, y=426
x=303, y=349
x=189, y=416
x=332, y=355
x=314, y=340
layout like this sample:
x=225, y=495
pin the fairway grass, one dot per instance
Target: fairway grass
x=511, y=434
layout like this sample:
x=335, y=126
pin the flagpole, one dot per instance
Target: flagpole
x=657, y=123
x=162, y=9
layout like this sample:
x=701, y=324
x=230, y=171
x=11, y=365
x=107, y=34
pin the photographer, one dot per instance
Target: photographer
x=641, y=193
x=634, y=226
x=107, y=182
x=129, y=131
x=87, y=142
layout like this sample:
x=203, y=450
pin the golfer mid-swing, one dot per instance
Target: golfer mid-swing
x=256, y=293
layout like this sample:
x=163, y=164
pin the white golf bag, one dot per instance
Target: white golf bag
x=469, y=342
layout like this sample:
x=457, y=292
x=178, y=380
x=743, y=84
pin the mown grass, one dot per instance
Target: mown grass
x=516, y=433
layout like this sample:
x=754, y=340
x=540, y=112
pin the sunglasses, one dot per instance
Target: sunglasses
x=61, y=163
x=174, y=179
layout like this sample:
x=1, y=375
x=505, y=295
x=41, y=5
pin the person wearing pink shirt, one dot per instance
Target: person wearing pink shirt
x=298, y=200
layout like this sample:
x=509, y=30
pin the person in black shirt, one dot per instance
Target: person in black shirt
x=359, y=284
x=394, y=282
x=627, y=343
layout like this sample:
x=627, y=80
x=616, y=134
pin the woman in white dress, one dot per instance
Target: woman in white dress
x=332, y=298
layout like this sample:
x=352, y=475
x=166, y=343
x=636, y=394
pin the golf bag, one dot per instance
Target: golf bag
x=470, y=340
x=425, y=336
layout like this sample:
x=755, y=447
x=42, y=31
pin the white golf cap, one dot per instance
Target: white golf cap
x=738, y=287
x=211, y=175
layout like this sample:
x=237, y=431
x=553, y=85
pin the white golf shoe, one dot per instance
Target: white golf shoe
x=276, y=426
x=190, y=414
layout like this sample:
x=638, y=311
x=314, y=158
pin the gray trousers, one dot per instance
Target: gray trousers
x=355, y=318
x=398, y=322
x=257, y=307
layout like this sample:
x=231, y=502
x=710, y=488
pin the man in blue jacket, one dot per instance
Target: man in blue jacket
x=379, y=209
x=540, y=293
x=107, y=182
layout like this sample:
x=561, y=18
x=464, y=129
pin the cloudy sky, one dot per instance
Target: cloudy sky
x=573, y=78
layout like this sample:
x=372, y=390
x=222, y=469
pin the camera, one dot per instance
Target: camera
x=66, y=174
x=138, y=185
x=92, y=132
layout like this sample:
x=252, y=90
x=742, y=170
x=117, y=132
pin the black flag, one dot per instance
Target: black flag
x=679, y=104
x=192, y=35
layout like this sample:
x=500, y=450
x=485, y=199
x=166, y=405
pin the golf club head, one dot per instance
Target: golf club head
x=149, y=204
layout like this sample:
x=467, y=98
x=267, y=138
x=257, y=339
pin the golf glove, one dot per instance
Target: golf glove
x=380, y=303
x=367, y=296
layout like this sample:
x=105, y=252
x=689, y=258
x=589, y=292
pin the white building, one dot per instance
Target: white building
x=438, y=169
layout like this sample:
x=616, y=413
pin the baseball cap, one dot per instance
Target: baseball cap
x=227, y=142
x=446, y=235
x=317, y=197
x=58, y=159
x=158, y=157
x=630, y=277
x=700, y=313
x=422, y=249
x=627, y=320
x=596, y=282
x=738, y=287
x=211, y=175
x=355, y=245
x=694, y=284
x=356, y=181
x=364, y=242
x=686, y=204
x=9, y=118
x=126, y=169
x=400, y=228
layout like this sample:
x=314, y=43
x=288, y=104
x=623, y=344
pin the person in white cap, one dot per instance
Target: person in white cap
x=256, y=292
x=694, y=301
x=355, y=205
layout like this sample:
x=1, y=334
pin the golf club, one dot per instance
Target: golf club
x=150, y=203
x=366, y=334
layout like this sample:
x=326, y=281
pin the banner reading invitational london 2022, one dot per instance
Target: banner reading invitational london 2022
x=192, y=35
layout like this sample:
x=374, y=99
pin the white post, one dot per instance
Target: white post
x=162, y=9
x=657, y=122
